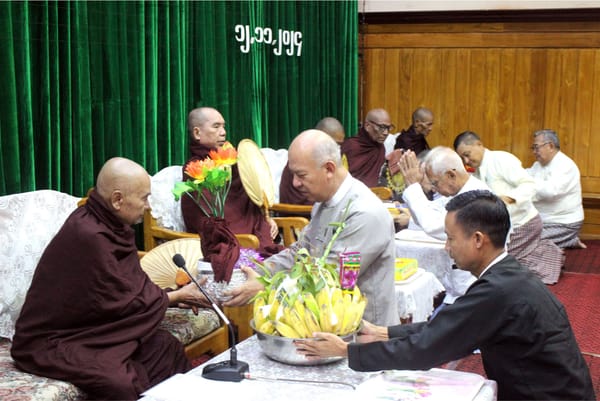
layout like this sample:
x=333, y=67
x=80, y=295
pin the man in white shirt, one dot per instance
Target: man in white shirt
x=444, y=170
x=448, y=177
x=507, y=178
x=558, y=191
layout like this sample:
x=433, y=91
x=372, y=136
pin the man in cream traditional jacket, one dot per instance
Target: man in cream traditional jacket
x=557, y=191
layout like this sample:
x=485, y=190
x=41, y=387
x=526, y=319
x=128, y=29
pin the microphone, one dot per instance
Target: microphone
x=231, y=370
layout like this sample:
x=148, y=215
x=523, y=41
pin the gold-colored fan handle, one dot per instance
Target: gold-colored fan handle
x=265, y=204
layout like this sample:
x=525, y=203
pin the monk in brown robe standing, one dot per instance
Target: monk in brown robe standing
x=290, y=194
x=365, y=152
x=206, y=127
x=91, y=314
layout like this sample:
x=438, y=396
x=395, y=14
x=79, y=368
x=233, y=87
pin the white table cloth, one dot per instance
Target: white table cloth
x=431, y=256
x=415, y=295
x=336, y=381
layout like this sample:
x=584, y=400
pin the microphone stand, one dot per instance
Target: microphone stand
x=231, y=370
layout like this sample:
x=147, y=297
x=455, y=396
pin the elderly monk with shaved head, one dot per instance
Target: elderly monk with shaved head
x=366, y=152
x=206, y=129
x=317, y=170
x=91, y=314
x=415, y=137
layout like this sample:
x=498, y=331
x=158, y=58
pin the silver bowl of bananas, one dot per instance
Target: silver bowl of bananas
x=282, y=349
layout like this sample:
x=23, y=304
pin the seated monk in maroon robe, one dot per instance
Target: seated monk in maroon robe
x=207, y=132
x=91, y=314
x=415, y=137
x=365, y=152
x=290, y=194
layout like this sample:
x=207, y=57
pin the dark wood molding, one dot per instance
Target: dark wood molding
x=425, y=17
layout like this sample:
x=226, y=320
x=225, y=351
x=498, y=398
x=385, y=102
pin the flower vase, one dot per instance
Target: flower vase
x=216, y=289
x=219, y=246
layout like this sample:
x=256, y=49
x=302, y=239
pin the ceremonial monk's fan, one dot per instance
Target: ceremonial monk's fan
x=255, y=175
x=158, y=263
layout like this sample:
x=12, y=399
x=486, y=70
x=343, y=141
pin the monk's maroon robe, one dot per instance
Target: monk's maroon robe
x=365, y=157
x=241, y=214
x=287, y=192
x=91, y=314
x=409, y=139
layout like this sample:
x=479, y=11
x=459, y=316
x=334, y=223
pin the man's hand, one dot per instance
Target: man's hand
x=323, y=345
x=273, y=227
x=242, y=294
x=370, y=333
x=410, y=168
x=189, y=297
x=402, y=218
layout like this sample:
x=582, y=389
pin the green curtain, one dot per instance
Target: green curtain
x=85, y=81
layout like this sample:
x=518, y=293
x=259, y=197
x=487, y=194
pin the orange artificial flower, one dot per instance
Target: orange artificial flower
x=210, y=180
x=225, y=155
x=198, y=169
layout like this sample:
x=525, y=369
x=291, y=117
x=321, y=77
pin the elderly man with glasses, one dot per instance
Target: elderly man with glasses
x=558, y=191
x=365, y=153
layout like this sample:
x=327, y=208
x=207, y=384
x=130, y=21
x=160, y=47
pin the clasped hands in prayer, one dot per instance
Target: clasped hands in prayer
x=410, y=168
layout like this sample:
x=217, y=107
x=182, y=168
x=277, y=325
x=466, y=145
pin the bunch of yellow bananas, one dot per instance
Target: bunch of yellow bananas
x=331, y=310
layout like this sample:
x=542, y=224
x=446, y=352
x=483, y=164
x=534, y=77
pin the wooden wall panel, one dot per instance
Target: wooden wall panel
x=593, y=159
x=583, y=112
x=501, y=80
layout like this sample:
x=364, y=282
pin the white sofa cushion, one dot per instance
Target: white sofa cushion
x=28, y=221
x=276, y=159
x=165, y=209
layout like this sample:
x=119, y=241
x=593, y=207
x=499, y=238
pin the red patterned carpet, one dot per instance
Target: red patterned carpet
x=583, y=260
x=580, y=294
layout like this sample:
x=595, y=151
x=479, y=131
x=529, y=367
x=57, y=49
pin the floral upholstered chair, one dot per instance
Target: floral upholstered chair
x=28, y=221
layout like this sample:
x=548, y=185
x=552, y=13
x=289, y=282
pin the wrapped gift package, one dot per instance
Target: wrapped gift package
x=405, y=267
x=349, y=269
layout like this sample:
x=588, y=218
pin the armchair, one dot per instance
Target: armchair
x=290, y=209
x=29, y=220
x=290, y=227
